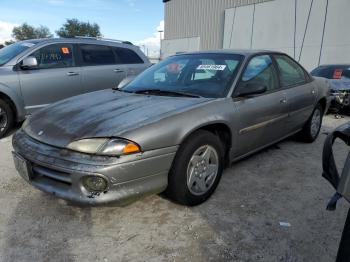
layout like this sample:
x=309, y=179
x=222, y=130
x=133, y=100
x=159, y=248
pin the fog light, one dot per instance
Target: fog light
x=95, y=183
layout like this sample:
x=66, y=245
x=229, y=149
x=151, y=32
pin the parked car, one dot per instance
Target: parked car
x=339, y=79
x=173, y=128
x=35, y=73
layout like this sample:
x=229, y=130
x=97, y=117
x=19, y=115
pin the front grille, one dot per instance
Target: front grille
x=48, y=173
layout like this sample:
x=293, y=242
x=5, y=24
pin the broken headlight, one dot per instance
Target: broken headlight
x=105, y=146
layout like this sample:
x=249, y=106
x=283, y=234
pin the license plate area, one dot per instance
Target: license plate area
x=22, y=166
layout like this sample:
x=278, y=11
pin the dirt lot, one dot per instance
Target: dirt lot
x=239, y=223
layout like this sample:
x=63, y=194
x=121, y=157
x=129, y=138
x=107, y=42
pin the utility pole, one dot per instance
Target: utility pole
x=160, y=44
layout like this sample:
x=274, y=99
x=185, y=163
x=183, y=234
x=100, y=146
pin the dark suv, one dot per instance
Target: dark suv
x=339, y=80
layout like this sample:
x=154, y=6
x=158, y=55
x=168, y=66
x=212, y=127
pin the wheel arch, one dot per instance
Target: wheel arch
x=323, y=103
x=14, y=101
x=222, y=130
x=10, y=102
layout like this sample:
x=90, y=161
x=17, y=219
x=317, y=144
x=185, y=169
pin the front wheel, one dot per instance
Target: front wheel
x=313, y=125
x=6, y=118
x=197, y=169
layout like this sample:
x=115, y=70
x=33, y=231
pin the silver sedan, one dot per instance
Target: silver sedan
x=172, y=129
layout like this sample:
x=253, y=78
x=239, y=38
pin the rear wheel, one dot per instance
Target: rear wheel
x=6, y=118
x=313, y=125
x=197, y=169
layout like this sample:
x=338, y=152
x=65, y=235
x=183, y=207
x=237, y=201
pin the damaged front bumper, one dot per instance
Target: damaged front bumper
x=61, y=172
x=340, y=98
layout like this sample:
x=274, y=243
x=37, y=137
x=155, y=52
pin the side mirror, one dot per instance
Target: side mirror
x=29, y=62
x=125, y=81
x=250, y=89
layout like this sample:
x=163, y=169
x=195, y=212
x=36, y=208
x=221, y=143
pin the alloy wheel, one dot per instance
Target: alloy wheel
x=316, y=122
x=202, y=170
x=3, y=119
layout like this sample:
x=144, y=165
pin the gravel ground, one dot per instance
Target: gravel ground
x=239, y=223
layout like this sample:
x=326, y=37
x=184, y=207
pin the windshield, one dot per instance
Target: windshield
x=205, y=75
x=340, y=72
x=11, y=51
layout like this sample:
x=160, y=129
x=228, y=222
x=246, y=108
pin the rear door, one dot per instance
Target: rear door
x=100, y=69
x=261, y=118
x=56, y=77
x=130, y=61
x=300, y=91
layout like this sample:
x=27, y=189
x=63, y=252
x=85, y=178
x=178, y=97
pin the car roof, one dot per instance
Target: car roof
x=334, y=65
x=244, y=52
x=76, y=39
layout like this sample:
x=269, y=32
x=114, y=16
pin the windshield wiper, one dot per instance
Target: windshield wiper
x=165, y=93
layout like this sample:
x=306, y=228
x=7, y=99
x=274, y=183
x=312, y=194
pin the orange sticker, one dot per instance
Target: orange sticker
x=337, y=74
x=65, y=50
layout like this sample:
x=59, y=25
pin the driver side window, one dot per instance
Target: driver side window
x=55, y=56
x=261, y=70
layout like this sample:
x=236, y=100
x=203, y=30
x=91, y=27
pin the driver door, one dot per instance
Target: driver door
x=261, y=118
x=56, y=77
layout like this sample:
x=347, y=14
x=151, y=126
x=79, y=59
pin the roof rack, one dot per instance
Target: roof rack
x=104, y=39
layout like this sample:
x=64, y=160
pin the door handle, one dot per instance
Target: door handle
x=72, y=73
x=118, y=70
x=283, y=100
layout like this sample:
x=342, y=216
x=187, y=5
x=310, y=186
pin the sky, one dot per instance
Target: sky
x=137, y=21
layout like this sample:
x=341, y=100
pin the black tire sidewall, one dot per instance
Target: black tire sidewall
x=177, y=181
x=5, y=106
x=307, y=136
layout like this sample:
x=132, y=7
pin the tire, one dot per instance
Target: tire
x=6, y=118
x=312, y=127
x=194, y=177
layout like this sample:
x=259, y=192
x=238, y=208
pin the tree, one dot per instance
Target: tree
x=25, y=31
x=74, y=27
x=9, y=42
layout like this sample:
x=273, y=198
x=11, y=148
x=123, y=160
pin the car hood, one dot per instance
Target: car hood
x=102, y=114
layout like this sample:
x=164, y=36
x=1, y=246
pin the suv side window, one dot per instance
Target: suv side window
x=127, y=56
x=92, y=55
x=290, y=72
x=55, y=56
x=261, y=70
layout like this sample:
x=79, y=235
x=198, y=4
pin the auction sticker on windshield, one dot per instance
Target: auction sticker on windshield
x=212, y=67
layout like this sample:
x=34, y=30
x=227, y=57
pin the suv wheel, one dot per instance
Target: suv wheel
x=197, y=169
x=313, y=125
x=6, y=118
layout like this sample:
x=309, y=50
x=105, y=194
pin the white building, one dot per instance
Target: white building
x=312, y=31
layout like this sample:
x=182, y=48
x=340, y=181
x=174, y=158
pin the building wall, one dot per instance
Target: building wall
x=204, y=18
x=275, y=25
x=282, y=24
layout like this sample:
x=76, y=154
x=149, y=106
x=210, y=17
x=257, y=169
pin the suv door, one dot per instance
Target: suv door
x=56, y=77
x=131, y=61
x=261, y=118
x=300, y=91
x=99, y=67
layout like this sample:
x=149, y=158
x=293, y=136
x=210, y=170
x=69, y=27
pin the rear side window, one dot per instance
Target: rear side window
x=96, y=55
x=127, y=56
x=290, y=72
x=55, y=56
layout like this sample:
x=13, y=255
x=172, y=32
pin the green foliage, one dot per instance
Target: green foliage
x=74, y=27
x=10, y=42
x=25, y=31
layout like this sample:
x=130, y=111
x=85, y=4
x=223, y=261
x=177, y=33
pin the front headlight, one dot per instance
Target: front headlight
x=105, y=146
